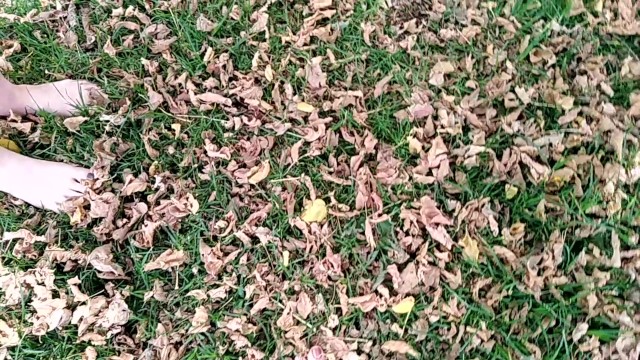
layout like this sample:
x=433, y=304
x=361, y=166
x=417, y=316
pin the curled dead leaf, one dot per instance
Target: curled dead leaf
x=73, y=123
x=101, y=259
x=415, y=146
x=168, y=259
x=259, y=172
x=580, y=330
x=212, y=98
x=399, y=347
x=382, y=85
x=204, y=24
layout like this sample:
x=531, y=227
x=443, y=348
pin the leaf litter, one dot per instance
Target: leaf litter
x=295, y=196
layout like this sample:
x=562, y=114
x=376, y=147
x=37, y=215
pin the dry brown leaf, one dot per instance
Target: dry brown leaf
x=268, y=73
x=212, y=98
x=580, y=330
x=415, y=146
x=73, y=123
x=168, y=259
x=441, y=68
x=101, y=259
x=321, y=4
x=399, y=347
x=260, y=20
x=382, y=85
x=204, y=24
x=259, y=172
x=211, y=259
x=109, y=49
x=9, y=337
x=134, y=184
x=200, y=321
x=90, y=353
x=155, y=99
x=304, y=306
x=634, y=110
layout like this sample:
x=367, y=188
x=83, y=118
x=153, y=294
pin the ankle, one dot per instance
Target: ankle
x=8, y=162
x=11, y=98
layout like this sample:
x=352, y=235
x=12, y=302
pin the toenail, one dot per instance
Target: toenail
x=90, y=176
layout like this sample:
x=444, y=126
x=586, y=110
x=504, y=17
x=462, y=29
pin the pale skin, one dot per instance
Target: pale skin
x=44, y=184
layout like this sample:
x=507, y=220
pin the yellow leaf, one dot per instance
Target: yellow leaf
x=304, y=107
x=9, y=145
x=76, y=217
x=598, y=6
x=510, y=191
x=259, y=172
x=285, y=258
x=315, y=211
x=405, y=306
x=470, y=247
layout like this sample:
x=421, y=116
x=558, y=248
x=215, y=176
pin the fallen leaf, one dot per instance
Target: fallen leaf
x=321, y=4
x=211, y=259
x=580, y=330
x=404, y=306
x=381, y=85
x=259, y=172
x=399, y=347
x=212, y=98
x=200, y=321
x=510, y=191
x=73, y=123
x=304, y=107
x=9, y=337
x=9, y=145
x=101, y=259
x=444, y=67
x=109, y=49
x=316, y=211
x=304, y=306
x=470, y=247
x=168, y=259
x=415, y=146
x=268, y=73
x=134, y=184
x=204, y=24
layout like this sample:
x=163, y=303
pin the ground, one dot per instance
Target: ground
x=332, y=179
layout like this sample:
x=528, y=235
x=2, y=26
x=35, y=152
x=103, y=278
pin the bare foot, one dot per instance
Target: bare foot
x=44, y=184
x=61, y=97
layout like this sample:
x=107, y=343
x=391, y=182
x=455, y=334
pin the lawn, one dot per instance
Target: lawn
x=329, y=179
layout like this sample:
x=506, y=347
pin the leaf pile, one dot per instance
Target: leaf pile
x=333, y=180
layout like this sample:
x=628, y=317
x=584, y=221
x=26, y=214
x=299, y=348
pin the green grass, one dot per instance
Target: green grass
x=519, y=321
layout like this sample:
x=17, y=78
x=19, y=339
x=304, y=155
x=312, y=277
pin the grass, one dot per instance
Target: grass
x=520, y=323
